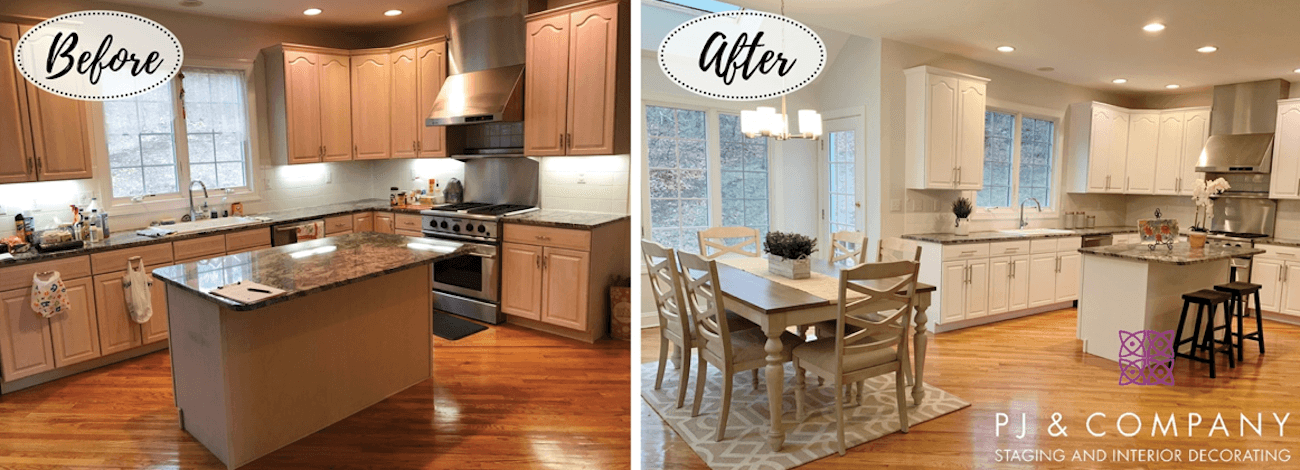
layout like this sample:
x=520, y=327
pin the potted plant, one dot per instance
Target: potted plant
x=788, y=254
x=962, y=208
x=1202, y=191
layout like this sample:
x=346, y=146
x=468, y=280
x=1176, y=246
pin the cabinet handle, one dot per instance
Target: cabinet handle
x=561, y=141
x=1058, y=264
x=29, y=164
x=1297, y=187
x=543, y=263
x=355, y=152
x=568, y=138
x=419, y=146
x=413, y=148
x=1128, y=181
x=38, y=165
x=539, y=261
x=540, y=237
x=959, y=176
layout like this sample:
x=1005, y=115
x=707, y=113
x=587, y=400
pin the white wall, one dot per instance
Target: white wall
x=593, y=184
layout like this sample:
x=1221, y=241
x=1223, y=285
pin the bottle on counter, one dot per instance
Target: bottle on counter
x=103, y=224
x=1068, y=223
x=394, y=199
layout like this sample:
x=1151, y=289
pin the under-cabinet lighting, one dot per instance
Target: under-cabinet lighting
x=1006, y=48
x=312, y=11
x=1207, y=49
x=1172, y=86
x=1119, y=80
x=1153, y=27
x=392, y=12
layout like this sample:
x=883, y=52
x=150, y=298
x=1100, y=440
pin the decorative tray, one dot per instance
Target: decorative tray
x=1158, y=232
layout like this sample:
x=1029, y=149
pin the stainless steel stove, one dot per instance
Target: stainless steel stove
x=1239, y=219
x=472, y=221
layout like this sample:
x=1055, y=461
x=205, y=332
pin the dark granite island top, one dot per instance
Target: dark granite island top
x=566, y=219
x=1182, y=254
x=305, y=268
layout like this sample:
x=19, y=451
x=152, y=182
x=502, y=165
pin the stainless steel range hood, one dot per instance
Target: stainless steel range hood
x=487, y=50
x=1242, y=122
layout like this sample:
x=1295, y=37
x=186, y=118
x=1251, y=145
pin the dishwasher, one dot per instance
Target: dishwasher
x=1105, y=239
x=290, y=233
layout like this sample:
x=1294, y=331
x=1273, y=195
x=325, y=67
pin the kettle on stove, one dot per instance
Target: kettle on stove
x=454, y=193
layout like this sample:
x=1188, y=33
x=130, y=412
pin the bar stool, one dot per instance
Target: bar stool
x=1211, y=299
x=1240, y=297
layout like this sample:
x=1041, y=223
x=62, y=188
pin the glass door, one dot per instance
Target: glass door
x=842, y=178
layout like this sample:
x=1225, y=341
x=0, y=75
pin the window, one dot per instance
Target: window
x=744, y=176
x=151, y=152
x=843, y=199
x=679, y=189
x=1018, y=153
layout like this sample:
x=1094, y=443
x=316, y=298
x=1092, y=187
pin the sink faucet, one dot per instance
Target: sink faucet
x=1023, y=223
x=195, y=214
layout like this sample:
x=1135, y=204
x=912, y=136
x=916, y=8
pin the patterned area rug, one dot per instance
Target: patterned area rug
x=745, y=443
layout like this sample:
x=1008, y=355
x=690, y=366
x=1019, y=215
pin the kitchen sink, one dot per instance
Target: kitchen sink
x=1038, y=231
x=210, y=224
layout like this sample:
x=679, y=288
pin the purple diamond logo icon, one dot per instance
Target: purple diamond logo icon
x=1146, y=357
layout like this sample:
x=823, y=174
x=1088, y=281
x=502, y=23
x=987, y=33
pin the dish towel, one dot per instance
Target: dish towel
x=139, y=302
x=311, y=231
x=49, y=296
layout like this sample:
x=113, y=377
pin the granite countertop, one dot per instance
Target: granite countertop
x=332, y=262
x=1182, y=254
x=566, y=219
x=994, y=236
x=1278, y=241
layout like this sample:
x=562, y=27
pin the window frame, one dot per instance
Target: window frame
x=1051, y=210
x=179, y=199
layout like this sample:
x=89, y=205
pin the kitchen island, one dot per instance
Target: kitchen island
x=1132, y=288
x=352, y=328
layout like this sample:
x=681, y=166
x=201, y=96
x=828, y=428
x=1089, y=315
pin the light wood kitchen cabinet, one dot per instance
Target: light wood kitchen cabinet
x=384, y=222
x=405, y=121
x=1143, y=140
x=336, y=107
x=370, y=101
x=431, y=62
x=117, y=331
x=577, y=80
x=156, y=329
x=522, y=296
x=25, y=345
x=1286, y=152
x=338, y=225
x=945, y=129
x=75, y=333
x=363, y=222
x=564, y=283
x=17, y=158
x=310, y=97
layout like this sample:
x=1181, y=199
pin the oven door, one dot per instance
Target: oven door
x=473, y=274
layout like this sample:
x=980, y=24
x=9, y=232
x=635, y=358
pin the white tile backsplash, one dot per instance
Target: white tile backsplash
x=592, y=184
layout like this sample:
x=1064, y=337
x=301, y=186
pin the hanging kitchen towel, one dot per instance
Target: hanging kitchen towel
x=139, y=302
x=311, y=231
x=49, y=296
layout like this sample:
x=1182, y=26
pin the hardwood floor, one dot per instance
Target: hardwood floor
x=505, y=398
x=1034, y=365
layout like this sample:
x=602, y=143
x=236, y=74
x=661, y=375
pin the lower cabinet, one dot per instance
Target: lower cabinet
x=979, y=280
x=1008, y=284
x=383, y=222
x=25, y=346
x=75, y=333
x=1273, y=271
x=117, y=332
x=1042, y=279
x=521, y=288
x=966, y=289
x=363, y=222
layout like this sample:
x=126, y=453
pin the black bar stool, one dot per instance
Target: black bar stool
x=1240, y=297
x=1205, y=298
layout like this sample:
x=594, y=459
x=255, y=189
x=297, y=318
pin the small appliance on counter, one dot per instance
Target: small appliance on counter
x=454, y=193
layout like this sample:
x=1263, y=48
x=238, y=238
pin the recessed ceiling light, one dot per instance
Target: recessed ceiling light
x=1296, y=70
x=392, y=12
x=1006, y=48
x=1119, y=80
x=1207, y=49
x=1172, y=86
x=311, y=11
x=1047, y=69
x=1153, y=27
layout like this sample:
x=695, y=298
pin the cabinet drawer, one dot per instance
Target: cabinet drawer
x=1009, y=248
x=965, y=251
x=20, y=277
x=1069, y=244
x=409, y=222
x=1288, y=253
x=113, y=261
x=202, y=247
x=1043, y=245
x=248, y=238
x=408, y=233
x=557, y=237
x=337, y=225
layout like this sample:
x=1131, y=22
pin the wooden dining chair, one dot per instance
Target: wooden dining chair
x=874, y=349
x=898, y=249
x=717, y=345
x=848, y=246
x=717, y=237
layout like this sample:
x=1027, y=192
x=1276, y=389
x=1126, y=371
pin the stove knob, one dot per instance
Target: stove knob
x=469, y=227
x=443, y=224
x=455, y=228
x=481, y=229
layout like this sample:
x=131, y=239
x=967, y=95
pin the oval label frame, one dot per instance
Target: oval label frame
x=133, y=40
x=682, y=55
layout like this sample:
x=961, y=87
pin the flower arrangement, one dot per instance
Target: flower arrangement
x=962, y=208
x=789, y=245
x=1202, y=191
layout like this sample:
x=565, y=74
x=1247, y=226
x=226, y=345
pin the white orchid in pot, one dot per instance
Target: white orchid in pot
x=1202, y=194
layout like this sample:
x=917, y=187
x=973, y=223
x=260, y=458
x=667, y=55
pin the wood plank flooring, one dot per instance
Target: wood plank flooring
x=1035, y=365
x=505, y=398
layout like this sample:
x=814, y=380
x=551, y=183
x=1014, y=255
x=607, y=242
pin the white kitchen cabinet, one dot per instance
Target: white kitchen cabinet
x=1196, y=130
x=1143, y=140
x=1098, y=143
x=1118, y=150
x=1169, y=153
x=966, y=289
x=945, y=129
x=1286, y=152
x=1067, y=276
x=1008, y=284
x=1042, y=280
x=1267, y=272
x=1290, y=295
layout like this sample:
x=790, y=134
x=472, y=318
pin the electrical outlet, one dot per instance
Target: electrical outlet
x=582, y=178
x=329, y=175
x=896, y=205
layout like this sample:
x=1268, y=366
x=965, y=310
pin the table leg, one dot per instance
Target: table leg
x=918, y=345
x=775, y=379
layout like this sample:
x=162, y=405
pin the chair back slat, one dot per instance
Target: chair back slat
x=704, y=299
x=666, y=284
x=898, y=249
x=850, y=247
x=887, y=297
x=716, y=238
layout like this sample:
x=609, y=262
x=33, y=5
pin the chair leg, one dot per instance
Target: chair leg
x=1259, y=323
x=663, y=361
x=754, y=376
x=702, y=366
x=1227, y=336
x=1178, y=337
x=1241, y=328
x=902, y=400
x=685, y=377
x=726, y=404
x=1208, y=339
x=674, y=356
x=862, y=391
x=799, y=384
x=839, y=414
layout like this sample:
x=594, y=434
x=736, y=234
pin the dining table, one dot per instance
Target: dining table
x=776, y=305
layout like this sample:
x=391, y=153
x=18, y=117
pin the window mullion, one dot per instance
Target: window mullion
x=1015, y=160
x=181, y=136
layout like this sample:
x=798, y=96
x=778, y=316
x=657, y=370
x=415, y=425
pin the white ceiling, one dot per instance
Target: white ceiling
x=1088, y=42
x=349, y=14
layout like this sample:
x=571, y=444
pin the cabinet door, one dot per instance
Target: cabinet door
x=1286, y=153
x=1117, y=157
x=593, y=80
x=999, y=285
x=383, y=222
x=403, y=105
x=117, y=331
x=1067, y=279
x=302, y=89
x=59, y=138
x=1019, y=290
x=564, y=287
x=370, y=113
x=336, y=107
x=17, y=161
x=546, y=80
x=75, y=333
x=363, y=222
x=1268, y=274
x=521, y=280
x=157, y=328
x=971, y=138
x=1099, y=150
x=941, y=131
x=1290, y=297
x=433, y=71
x=977, y=289
x=1042, y=279
x=1143, y=139
x=25, y=347
x=1196, y=129
x=1169, y=153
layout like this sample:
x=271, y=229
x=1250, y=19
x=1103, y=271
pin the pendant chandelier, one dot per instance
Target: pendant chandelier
x=765, y=121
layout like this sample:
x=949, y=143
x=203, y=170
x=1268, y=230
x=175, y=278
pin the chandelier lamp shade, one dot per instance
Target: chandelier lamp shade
x=766, y=122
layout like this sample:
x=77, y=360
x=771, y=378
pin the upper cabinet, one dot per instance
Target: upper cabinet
x=577, y=99
x=310, y=104
x=370, y=103
x=945, y=129
x=1121, y=151
x=1286, y=152
x=1143, y=140
x=44, y=135
x=418, y=71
